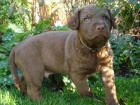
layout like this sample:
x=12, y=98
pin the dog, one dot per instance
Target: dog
x=80, y=52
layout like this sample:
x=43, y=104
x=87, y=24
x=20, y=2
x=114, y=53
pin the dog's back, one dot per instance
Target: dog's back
x=48, y=48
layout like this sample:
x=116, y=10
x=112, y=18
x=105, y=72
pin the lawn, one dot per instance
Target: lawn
x=128, y=91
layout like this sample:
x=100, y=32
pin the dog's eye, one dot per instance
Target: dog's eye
x=105, y=17
x=86, y=20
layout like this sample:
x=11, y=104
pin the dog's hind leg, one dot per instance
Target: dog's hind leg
x=23, y=85
x=34, y=75
x=34, y=86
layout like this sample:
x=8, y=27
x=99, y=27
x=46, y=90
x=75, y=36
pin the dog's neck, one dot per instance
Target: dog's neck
x=92, y=48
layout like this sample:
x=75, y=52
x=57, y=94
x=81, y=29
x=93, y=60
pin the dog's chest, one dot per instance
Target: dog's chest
x=90, y=62
x=86, y=62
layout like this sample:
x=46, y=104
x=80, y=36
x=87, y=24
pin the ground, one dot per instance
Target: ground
x=128, y=93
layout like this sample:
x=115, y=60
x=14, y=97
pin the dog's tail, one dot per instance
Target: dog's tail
x=13, y=68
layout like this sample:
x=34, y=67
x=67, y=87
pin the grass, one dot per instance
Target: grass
x=128, y=91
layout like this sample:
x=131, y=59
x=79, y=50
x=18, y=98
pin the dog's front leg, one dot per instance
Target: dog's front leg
x=81, y=84
x=107, y=74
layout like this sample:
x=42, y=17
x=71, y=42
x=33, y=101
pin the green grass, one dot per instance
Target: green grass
x=128, y=90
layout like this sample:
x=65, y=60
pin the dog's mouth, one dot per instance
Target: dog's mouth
x=98, y=36
x=95, y=44
x=99, y=42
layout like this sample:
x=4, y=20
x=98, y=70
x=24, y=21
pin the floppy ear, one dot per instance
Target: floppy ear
x=112, y=20
x=74, y=21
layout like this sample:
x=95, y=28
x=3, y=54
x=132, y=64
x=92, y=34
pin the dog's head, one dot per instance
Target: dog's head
x=93, y=24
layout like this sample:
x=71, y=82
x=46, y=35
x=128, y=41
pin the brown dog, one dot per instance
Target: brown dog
x=78, y=53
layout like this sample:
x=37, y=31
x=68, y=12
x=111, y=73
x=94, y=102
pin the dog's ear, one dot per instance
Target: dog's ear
x=74, y=21
x=112, y=20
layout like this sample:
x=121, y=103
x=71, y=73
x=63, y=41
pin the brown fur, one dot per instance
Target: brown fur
x=64, y=52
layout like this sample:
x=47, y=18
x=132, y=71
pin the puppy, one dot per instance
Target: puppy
x=78, y=53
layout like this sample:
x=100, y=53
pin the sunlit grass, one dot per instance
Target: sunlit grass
x=128, y=91
x=6, y=98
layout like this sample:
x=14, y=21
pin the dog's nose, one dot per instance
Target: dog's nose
x=100, y=28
